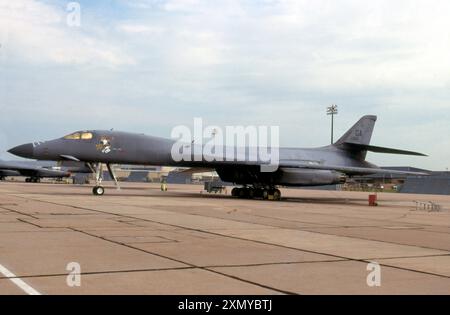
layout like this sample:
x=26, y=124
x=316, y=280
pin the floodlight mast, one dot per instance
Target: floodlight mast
x=332, y=110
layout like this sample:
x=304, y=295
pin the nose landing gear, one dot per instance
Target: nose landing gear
x=98, y=190
x=97, y=169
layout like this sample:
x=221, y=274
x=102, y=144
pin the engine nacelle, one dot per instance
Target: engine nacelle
x=310, y=177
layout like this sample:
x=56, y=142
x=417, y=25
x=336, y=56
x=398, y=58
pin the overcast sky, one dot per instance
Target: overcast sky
x=148, y=65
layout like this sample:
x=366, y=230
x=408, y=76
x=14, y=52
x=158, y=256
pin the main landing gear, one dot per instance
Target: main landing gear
x=253, y=193
x=97, y=169
x=32, y=180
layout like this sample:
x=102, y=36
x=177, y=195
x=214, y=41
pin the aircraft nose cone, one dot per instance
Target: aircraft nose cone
x=24, y=150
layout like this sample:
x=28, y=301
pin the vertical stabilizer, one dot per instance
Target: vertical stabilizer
x=360, y=133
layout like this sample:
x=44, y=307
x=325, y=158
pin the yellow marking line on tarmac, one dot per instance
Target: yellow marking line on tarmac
x=18, y=282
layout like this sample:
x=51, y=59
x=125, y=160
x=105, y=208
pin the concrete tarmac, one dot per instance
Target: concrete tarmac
x=140, y=240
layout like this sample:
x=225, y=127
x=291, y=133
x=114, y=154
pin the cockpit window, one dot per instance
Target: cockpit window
x=86, y=136
x=79, y=136
x=73, y=136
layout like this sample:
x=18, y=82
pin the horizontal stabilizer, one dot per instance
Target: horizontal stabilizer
x=372, y=148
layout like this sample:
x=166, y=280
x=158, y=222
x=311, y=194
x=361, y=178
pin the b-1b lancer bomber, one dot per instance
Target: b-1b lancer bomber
x=328, y=165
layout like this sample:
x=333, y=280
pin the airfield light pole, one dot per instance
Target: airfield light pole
x=332, y=110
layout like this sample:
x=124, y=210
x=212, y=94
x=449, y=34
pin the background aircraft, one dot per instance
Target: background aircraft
x=33, y=173
x=297, y=166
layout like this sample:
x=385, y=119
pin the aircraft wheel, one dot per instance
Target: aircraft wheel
x=98, y=190
x=259, y=193
x=277, y=195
